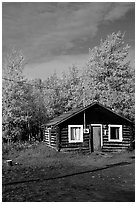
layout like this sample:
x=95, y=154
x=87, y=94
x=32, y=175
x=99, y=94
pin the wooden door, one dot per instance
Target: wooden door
x=96, y=131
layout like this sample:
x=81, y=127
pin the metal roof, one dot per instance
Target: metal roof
x=65, y=116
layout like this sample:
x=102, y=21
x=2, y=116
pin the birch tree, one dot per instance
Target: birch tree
x=109, y=77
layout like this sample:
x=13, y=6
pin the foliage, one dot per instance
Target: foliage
x=23, y=108
x=109, y=77
x=13, y=93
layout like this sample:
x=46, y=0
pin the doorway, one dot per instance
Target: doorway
x=96, y=136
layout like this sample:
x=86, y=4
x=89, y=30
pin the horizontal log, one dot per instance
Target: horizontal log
x=46, y=134
x=116, y=142
x=62, y=131
x=126, y=128
x=86, y=136
x=105, y=137
x=113, y=150
x=127, y=137
x=53, y=137
x=53, y=142
x=64, y=128
x=46, y=139
x=53, y=133
x=105, y=140
x=64, y=139
x=128, y=133
x=109, y=146
x=115, y=146
x=73, y=149
x=64, y=136
x=70, y=145
x=122, y=147
x=126, y=141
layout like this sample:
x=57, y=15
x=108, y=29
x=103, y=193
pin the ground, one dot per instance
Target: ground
x=39, y=173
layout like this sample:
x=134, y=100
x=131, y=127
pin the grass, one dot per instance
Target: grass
x=41, y=164
x=9, y=150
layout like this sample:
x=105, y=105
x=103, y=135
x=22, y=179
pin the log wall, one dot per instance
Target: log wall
x=58, y=138
x=66, y=146
x=50, y=137
x=118, y=146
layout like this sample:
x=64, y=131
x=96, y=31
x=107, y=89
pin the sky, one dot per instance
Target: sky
x=53, y=36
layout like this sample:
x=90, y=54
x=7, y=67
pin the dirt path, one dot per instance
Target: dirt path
x=111, y=183
x=66, y=175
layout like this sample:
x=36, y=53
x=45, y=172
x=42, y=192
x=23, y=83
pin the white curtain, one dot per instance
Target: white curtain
x=75, y=133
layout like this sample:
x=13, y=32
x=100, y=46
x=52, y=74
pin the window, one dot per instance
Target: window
x=75, y=133
x=115, y=133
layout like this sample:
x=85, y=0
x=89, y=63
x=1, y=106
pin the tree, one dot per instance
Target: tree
x=72, y=88
x=38, y=108
x=12, y=68
x=52, y=96
x=14, y=97
x=109, y=77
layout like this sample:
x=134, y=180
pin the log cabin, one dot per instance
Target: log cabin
x=89, y=129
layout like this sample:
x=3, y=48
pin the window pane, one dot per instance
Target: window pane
x=114, y=133
x=75, y=133
x=72, y=134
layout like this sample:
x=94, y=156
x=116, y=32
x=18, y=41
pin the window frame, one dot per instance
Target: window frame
x=120, y=133
x=81, y=133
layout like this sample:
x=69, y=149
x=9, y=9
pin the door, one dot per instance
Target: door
x=96, y=135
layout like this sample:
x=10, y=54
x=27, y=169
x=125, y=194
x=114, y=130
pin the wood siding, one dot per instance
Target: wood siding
x=86, y=146
x=117, y=146
x=58, y=138
x=46, y=136
x=65, y=145
x=50, y=137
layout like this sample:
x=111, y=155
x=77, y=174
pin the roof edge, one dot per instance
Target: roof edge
x=84, y=108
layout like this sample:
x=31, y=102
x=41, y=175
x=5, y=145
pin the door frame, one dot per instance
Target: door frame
x=100, y=133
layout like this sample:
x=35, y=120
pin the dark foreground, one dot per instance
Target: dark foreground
x=70, y=178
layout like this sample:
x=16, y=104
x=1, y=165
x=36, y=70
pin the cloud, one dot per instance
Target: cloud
x=47, y=30
x=118, y=10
